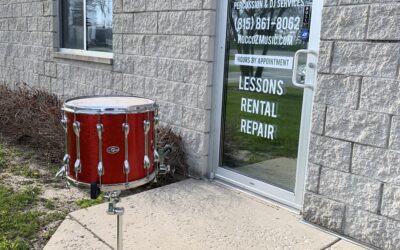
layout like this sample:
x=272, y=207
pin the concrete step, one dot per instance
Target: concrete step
x=194, y=215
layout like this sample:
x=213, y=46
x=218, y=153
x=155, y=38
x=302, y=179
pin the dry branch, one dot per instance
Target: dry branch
x=32, y=117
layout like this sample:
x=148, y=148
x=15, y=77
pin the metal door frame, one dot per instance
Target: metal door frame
x=294, y=200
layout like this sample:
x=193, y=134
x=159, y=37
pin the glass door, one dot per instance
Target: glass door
x=268, y=76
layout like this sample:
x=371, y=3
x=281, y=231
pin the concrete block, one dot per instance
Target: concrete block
x=44, y=83
x=323, y=212
x=372, y=229
x=14, y=10
x=133, y=44
x=134, y=85
x=145, y=66
x=200, y=22
x=344, y=22
x=186, y=4
x=207, y=48
x=50, y=69
x=325, y=56
x=200, y=73
x=184, y=94
x=329, y=152
x=106, y=79
x=48, y=8
x=170, y=113
x=117, y=81
x=172, y=22
x=77, y=74
x=394, y=142
x=331, y=2
x=153, y=5
x=173, y=70
x=383, y=22
x=134, y=6
x=318, y=118
x=380, y=95
x=117, y=43
x=197, y=165
x=350, y=189
x=124, y=63
x=338, y=90
x=70, y=89
x=360, y=58
x=160, y=90
x=179, y=47
x=196, y=119
x=57, y=86
x=391, y=202
x=117, y=6
x=123, y=23
x=95, y=77
x=358, y=126
x=312, y=180
x=145, y=23
x=195, y=142
x=204, y=97
x=376, y=163
x=210, y=4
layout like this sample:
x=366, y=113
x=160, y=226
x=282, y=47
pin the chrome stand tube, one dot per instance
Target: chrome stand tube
x=119, y=230
x=100, y=166
x=156, y=155
x=126, y=167
x=146, y=146
x=66, y=158
x=113, y=199
x=65, y=167
x=78, y=165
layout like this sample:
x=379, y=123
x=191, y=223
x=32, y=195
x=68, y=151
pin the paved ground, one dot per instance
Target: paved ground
x=193, y=215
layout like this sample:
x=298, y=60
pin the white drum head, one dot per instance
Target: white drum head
x=109, y=104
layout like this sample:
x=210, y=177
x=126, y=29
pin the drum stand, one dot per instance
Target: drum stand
x=113, y=199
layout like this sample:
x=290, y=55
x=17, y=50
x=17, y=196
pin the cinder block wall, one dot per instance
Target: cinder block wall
x=353, y=185
x=163, y=50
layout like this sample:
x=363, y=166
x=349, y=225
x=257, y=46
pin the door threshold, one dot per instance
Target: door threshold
x=260, y=188
x=220, y=181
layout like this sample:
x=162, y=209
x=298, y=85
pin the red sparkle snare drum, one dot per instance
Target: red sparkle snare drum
x=110, y=142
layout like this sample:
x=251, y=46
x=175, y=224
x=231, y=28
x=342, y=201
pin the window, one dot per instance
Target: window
x=87, y=25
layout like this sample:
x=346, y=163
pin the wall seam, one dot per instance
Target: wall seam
x=380, y=199
x=367, y=23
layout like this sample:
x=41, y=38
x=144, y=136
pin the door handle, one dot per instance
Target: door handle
x=296, y=68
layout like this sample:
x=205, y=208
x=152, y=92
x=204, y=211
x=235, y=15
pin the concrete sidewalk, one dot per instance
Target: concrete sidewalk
x=192, y=215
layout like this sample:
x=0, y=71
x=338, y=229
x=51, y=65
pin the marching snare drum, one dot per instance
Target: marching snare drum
x=110, y=141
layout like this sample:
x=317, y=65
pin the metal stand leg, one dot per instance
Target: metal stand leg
x=119, y=231
x=113, y=199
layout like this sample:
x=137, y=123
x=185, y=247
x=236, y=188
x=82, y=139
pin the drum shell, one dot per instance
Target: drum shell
x=112, y=136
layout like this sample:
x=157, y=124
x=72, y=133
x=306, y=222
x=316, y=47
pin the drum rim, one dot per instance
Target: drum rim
x=114, y=187
x=129, y=110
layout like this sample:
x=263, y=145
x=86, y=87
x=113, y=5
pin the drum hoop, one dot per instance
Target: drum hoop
x=129, y=110
x=114, y=187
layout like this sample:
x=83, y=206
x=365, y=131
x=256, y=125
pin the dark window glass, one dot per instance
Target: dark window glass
x=99, y=25
x=72, y=24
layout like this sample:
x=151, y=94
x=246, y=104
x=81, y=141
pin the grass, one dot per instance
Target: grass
x=18, y=223
x=24, y=215
x=85, y=203
x=25, y=171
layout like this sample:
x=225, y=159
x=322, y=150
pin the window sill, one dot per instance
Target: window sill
x=82, y=56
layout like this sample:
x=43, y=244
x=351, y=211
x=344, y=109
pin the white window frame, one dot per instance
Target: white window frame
x=84, y=51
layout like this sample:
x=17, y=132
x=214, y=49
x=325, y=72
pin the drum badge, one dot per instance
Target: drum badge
x=112, y=150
